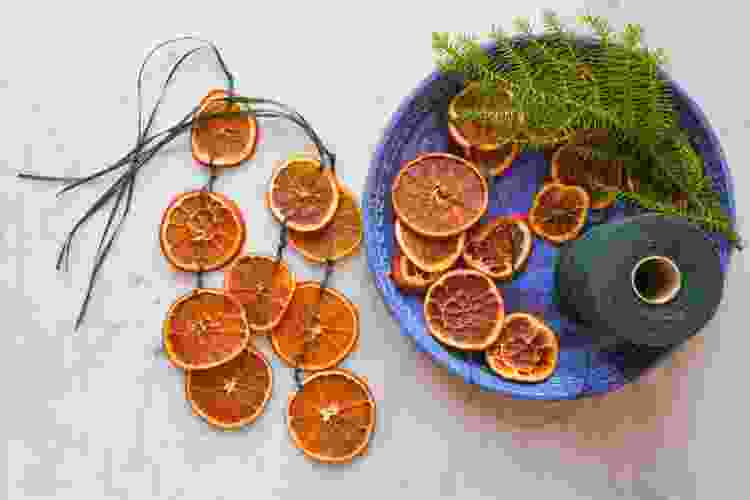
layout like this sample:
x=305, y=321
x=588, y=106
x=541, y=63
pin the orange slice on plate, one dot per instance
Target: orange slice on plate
x=336, y=240
x=464, y=309
x=431, y=255
x=526, y=351
x=408, y=277
x=223, y=141
x=201, y=231
x=318, y=331
x=559, y=212
x=205, y=328
x=499, y=247
x=233, y=394
x=263, y=286
x=332, y=417
x=439, y=195
x=303, y=195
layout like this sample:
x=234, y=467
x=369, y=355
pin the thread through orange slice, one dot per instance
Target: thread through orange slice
x=223, y=141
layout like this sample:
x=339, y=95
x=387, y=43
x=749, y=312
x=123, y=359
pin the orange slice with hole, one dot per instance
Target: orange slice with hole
x=559, y=212
x=332, y=417
x=264, y=286
x=439, y=195
x=205, y=328
x=499, y=247
x=408, y=277
x=303, y=194
x=464, y=309
x=526, y=351
x=224, y=141
x=234, y=394
x=431, y=255
x=320, y=328
x=201, y=231
x=339, y=239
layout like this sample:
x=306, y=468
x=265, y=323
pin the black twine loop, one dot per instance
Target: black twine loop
x=283, y=241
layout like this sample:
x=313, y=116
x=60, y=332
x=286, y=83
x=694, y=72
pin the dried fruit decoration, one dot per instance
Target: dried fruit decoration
x=559, y=212
x=527, y=349
x=208, y=331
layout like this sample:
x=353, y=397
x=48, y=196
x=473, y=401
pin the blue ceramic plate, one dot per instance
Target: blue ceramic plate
x=419, y=126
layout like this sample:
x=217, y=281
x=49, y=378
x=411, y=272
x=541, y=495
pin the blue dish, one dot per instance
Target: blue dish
x=419, y=126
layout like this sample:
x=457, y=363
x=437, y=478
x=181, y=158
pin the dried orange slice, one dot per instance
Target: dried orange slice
x=559, y=212
x=431, y=255
x=201, y=231
x=439, y=195
x=223, y=141
x=233, y=394
x=497, y=161
x=464, y=309
x=205, y=328
x=336, y=240
x=303, y=195
x=499, y=247
x=602, y=179
x=332, y=417
x=526, y=351
x=316, y=332
x=408, y=277
x=263, y=286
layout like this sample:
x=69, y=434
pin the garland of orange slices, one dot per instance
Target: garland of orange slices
x=211, y=333
x=444, y=251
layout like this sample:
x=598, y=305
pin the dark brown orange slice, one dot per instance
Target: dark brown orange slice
x=201, y=231
x=559, y=212
x=499, y=247
x=526, y=351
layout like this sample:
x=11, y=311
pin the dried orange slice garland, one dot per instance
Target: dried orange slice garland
x=211, y=333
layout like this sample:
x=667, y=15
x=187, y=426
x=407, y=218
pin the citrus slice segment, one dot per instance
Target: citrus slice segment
x=559, y=212
x=223, y=141
x=332, y=417
x=336, y=240
x=526, y=351
x=431, y=255
x=497, y=161
x=408, y=277
x=303, y=195
x=602, y=179
x=464, y=309
x=499, y=247
x=233, y=394
x=205, y=328
x=439, y=195
x=263, y=286
x=317, y=332
x=201, y=231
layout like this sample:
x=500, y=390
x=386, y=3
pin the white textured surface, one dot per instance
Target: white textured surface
x=96, y=415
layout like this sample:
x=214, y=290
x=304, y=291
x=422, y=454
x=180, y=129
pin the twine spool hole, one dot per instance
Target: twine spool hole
x=656, y=279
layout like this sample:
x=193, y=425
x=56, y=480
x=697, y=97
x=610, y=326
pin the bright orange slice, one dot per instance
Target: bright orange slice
x=332, y=417
x=201, y=231
x=223, y=141
x=317, y=332
x=431, y=255
x=499, y=247
x=263, y=286
x=233, y=394
x=439, y=195
x=336, y=240
x=526, y=351
x=408, y=277
x=303, y=195
x=464, y=309
x=205, y=328
x=559, y=212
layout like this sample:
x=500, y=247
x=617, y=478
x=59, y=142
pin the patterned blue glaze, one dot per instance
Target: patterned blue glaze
x=419, y=126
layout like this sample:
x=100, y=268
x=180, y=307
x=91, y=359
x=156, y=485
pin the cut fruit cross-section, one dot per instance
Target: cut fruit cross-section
x=317, y=332
x=205, y=328
x=526, y=351
x=559, y=212
x=464, y=309
x=201, y=231
x=263, y=286
x=408, y=277
x=431, y=255
x=233, y=394
x=499, y=247
x=224, y=141
x=332, y=417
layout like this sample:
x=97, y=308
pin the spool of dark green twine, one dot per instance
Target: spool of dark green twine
x=648, y=280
